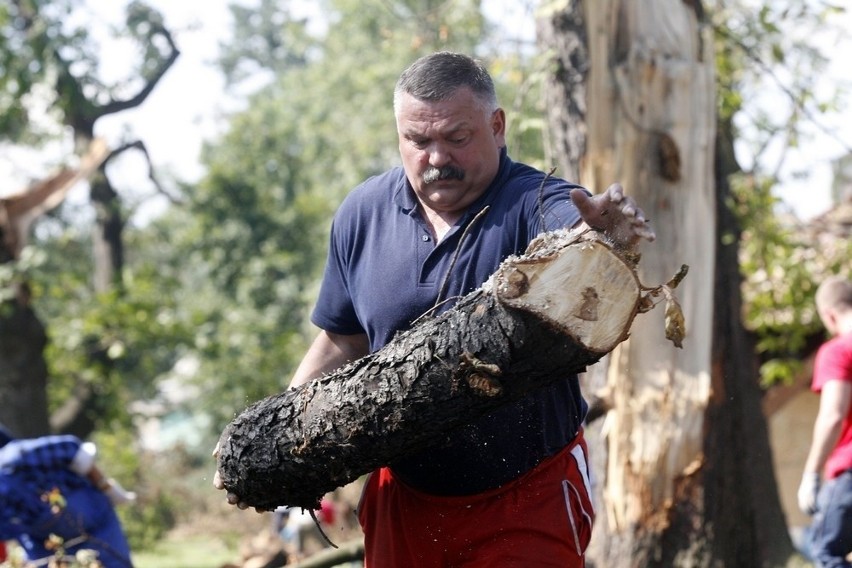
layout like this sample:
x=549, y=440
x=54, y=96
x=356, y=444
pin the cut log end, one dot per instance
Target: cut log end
x=586, y=291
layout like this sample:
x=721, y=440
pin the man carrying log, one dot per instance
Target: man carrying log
x=510, y=488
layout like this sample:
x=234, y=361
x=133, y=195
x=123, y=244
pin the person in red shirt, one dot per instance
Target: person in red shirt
x=830, y=455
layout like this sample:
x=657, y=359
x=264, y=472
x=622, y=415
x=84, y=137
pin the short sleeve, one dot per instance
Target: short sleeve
x=334, y=310
x=558, y=209
x=833, y=362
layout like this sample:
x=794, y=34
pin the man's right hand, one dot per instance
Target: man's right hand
x=232, y=498
x=807, y=494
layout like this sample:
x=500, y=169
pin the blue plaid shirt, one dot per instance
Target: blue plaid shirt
x=29, y=471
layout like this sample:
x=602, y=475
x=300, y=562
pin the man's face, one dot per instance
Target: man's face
x=450, y=149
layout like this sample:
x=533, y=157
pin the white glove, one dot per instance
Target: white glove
x=807, y=495
x=118, y=495
x=84, y=459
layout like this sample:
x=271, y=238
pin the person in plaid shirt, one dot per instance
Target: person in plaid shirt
x=52, y=494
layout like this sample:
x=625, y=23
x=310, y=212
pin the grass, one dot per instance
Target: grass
x=207, y=531
x=188, y=552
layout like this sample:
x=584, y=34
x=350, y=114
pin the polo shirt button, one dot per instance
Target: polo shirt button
x=425, y=238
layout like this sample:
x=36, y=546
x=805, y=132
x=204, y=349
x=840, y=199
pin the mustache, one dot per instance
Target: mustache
x=433, y=174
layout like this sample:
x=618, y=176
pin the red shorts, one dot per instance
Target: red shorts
x=543, y=518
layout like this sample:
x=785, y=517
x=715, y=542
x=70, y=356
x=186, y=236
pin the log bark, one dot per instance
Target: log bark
x=541, y=316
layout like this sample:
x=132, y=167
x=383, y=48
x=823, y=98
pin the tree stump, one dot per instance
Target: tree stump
x=560, y=307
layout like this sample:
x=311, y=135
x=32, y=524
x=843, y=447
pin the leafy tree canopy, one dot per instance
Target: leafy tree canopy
x=768, y=69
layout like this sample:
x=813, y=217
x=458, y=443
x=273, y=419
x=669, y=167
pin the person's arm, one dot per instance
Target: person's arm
x=834, y=402
x=328, y=352
x=98, y=479
x=84, y=465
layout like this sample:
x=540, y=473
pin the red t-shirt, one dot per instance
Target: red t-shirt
x=834, y=362
x=326, y=512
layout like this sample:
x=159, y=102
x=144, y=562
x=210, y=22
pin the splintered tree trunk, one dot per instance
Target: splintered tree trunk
x=541, y=316
x=23, y=372
x=23, y=369
x=681, y=459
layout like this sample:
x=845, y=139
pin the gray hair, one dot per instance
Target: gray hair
x=438, y=76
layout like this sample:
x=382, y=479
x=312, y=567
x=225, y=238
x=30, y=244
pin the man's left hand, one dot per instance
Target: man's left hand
x=232, y=498
x=614, y=214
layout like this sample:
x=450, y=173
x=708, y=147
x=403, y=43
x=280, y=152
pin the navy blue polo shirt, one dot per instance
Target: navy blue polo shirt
x=384, y=270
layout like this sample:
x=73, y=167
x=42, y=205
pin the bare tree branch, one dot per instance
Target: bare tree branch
x=133, y=102
x=140, y=145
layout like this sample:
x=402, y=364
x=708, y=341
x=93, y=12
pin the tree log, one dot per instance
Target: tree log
x=561, y=306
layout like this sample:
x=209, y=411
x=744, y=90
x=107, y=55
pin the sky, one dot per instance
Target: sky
x=806, y=173
x=185, y=107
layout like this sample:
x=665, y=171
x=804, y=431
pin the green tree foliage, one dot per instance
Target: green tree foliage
x=52, y=87
x=29, y=30
x=783, y=261
x=334, y=93
x=226, y=280
x=321, y=122
x=50, y=68
x=112, y=344
x=768, y=65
